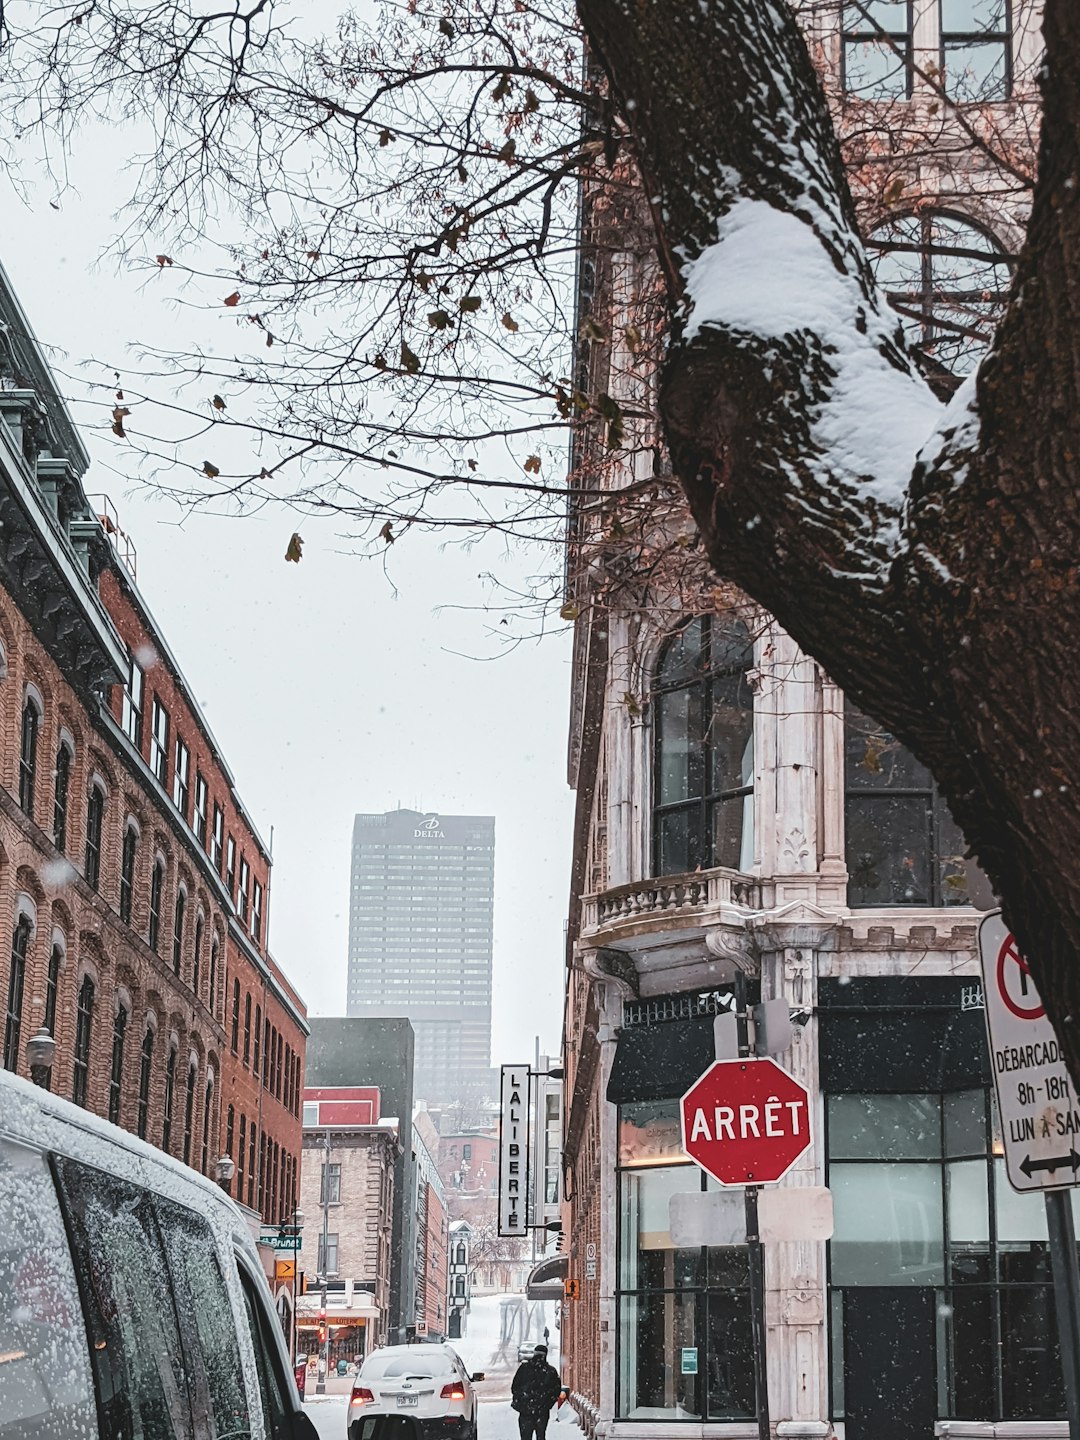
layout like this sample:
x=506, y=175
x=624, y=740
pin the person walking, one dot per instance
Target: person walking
x=535, y=1389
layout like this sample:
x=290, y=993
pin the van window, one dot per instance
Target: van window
x=128, y=1305
x=46, y=1391
x=215, y=1370
x=275, y=1410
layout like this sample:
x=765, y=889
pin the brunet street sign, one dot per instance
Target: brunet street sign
x=746, y=1122
x=1040, y=1120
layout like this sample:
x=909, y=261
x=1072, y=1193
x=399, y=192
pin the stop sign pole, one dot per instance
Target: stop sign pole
x=756, y=1251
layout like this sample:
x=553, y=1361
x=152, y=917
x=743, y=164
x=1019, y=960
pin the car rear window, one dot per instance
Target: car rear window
x=427, y=1366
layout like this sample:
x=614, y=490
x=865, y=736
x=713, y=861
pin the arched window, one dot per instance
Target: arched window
x=31, y=728
x=704, y=749
x=196, y=957
x=213, y=982
x=947, y=279
x=902, y=845
x=170, y=1096
x=95, y=815
x=189, y=1109
x=146, y=1064
x=178, y=931
x=84, y=1020
x=204, y=1160
x=60, y=797
x=52, y=986
x=20, y=943
x=116, y=1071
x=234, y=1039
x=128, y=856
x=157, y=889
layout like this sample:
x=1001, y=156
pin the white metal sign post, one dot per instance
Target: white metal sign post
x=1040, y=1122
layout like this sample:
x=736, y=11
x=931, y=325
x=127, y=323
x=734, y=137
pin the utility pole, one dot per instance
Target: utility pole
x=324, y=1347
x=754, y=1246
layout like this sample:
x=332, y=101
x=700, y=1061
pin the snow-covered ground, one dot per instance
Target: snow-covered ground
x=497, y=1324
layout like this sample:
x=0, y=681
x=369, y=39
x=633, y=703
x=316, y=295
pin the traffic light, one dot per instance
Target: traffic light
x=322, y=1334
x=571, y=1288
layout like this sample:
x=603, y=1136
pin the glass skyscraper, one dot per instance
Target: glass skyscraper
x=420, y=934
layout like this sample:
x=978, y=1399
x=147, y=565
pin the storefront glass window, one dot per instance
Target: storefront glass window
x=684, y=1330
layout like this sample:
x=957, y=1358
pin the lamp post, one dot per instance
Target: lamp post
x=224, y=1170
x=295, y=1227
x=324, y=1347
x=40, y=1051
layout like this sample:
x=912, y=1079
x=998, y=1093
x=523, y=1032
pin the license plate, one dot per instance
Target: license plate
x=408, y=1399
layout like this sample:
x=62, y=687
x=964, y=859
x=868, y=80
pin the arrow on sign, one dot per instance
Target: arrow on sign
x=1029, y=1166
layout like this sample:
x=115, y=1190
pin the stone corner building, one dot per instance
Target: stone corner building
x=733, y=812
x=134, y=886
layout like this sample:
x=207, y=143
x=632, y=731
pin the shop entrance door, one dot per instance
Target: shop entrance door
x=890, y=1364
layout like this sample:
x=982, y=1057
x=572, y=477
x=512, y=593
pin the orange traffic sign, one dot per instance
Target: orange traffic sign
x=285, y=1269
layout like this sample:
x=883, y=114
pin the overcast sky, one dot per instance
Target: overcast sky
x=334, y=685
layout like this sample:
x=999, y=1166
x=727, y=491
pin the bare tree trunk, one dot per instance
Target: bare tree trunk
x=945, y=606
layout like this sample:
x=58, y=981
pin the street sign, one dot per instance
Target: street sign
x=718, y=1217
x=514, y=1151
x=280, y=1242
x=746, y=1122
x=1040, y=1120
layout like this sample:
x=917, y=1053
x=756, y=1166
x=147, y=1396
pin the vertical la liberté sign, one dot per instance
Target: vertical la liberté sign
x=514, y=1150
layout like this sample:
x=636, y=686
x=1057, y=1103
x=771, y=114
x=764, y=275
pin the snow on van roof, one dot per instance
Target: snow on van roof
x=45, y=1120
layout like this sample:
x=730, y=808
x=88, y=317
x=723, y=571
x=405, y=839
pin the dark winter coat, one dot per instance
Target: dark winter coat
x=536, y=1386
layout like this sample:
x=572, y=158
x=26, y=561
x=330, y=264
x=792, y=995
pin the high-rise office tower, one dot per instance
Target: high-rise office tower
x=420, y=930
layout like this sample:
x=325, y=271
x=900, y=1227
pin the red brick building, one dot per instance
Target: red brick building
x=133, y=885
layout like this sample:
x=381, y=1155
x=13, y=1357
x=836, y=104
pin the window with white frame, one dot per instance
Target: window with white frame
x=242, y=892
x=132, y=711
x=217, y=838
x=159, y=741
x=181, y=768
x=201, y=800
x=256, y=910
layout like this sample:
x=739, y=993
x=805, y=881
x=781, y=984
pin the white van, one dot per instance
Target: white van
x=132, y=1302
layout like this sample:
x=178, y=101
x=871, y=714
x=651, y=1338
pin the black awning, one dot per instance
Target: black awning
x=660, y=1062
x=546, y=1279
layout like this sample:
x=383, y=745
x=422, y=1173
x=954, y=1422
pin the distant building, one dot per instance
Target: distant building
x=460, y=1271
x=362, y=1052
x=346, y=1195
x=420, y=938
x=431, y=1231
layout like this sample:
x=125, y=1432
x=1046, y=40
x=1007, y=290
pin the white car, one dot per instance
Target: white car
x=424, y=1388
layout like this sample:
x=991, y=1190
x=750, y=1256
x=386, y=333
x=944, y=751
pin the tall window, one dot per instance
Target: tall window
x=132, y=715
x=159, y=741
x=242, y=893
x=704, y=749
x=128, y=856
x=116, y=1070
x=230, y=1136
x=217, y=838
x=267, y=1051
x=52, y=987
x=60, y=797
x=975, y=46
x=170, y=1097
x=178, y=931
x=196, y=958
x=157, y=893
x=256, y=910
x=902, y=845
x=213, y=983
x=328, y=1255
x=252, y=1154
x=31, y=728
x=674, y=1302
x=84, y=1020
x=230, y=867
x=20, y=942
x=189, y=1110
x=330, y=1194
x=146, y=1066
x=241, y=1158
x=947, y=280
x=257, y=1047
x=204, y=1159
x=95, y=814
x=181, y=770
x=877, y=49
x=201, y=800
x=247, y=1028
x=234, y=1043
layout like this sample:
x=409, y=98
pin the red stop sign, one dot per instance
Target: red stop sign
x=746, y=1121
